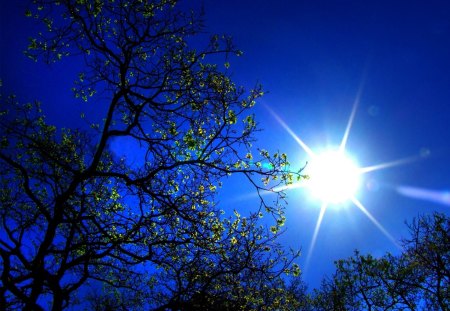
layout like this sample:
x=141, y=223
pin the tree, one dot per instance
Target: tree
x=428, y=252
x=363, y=282
x=75, y=213
x=416, y=279
x=245, y=274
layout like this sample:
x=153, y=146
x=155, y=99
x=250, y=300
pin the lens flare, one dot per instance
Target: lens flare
x=436, y=196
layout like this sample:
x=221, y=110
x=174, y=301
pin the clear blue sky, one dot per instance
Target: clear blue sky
x=313, y=57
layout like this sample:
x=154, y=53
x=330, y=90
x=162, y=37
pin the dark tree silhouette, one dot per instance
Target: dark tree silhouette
x=248, y=274
x=418, y=279
x=76, y=214
x=428, y=253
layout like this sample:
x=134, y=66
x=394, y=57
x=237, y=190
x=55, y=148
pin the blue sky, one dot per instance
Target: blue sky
x=313, y=58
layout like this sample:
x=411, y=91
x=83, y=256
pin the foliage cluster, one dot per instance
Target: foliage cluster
x=418, y=279
x=76, y=215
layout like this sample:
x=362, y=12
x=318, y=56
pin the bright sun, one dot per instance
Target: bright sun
x=334, y=177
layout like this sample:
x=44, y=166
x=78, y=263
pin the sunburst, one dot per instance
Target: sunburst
x=335, y=177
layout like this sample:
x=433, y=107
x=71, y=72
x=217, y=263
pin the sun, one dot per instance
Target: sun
x=333, y=177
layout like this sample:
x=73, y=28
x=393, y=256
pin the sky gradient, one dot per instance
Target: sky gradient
x=315, y=59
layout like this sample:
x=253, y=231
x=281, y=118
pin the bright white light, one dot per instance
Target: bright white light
x=334, y=177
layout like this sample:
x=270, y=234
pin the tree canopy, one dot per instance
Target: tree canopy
x=78, y=216
x=417, y=279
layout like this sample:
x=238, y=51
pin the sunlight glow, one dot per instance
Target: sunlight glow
x=334, y=177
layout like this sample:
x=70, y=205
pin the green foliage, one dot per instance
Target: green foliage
x=417, y=279
x=73, y=213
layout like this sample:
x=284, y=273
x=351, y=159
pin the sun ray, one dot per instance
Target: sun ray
x=354, y=108
x=315, y=234
x=381, y=166
x=293, y=135
x=266, y=192
x=350, y=121
x=375, y=222
x=436, y=196
x=288, y=187
x=358, y=171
